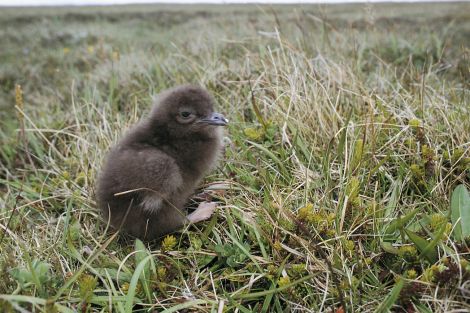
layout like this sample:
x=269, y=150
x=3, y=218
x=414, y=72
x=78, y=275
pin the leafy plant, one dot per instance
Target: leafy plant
x=36, y=274
x=231, y=254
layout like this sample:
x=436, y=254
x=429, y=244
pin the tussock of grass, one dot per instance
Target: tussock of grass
x=349, y=132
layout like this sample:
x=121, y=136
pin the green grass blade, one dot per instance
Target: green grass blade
x=343, y=136
x=387, y=247
x=133, y=285
x=460, y=212
x=272, y=156
x=140, y=255
x=432, y=246
x=271, y=291
x=392, y=297
x=35, y=301
x=422, y=245
x=400, y=222
x=185, y=305
x=392, y=203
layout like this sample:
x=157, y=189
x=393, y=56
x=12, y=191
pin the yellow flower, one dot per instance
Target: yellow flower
x=358, y=152
x=409, y=253
x=277, y=246
x=66, y=50
x=428, y=275
x=349, y=245
x=271, y=271
x=352, y=190
x=87, y=284
x=254, y=133
x=417, y=171
x=91, y=49
x=161, y=273
x=283, y=281
x=125, y=287
x=436, y=221
x=427, y=152
x=330, y=218
x=415, y=123
x=66, y=175
x=330, y=233
x=448, y=229
x=411, y=274
x=169, y=242
x=81, y=179
x=305, y=212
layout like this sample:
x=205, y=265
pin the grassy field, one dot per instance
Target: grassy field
x=344, y=185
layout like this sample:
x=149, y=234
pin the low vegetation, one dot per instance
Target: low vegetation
x=344, y=185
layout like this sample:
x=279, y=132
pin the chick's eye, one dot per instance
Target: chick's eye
x=185, y=114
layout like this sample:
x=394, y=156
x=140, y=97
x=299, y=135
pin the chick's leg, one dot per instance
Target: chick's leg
x=202, y=213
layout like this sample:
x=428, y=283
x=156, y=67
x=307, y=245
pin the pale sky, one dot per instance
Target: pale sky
x=109, y=2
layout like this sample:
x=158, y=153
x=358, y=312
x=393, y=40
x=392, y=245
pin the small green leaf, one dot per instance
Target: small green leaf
x=433, y=244
x=400, y=222
x=460, y=212
x=423, y=246
x=41, y=269
x=141, y=251
x=387, y=247
x=37, y=274
x=232, y=254
x=394, y=198
x=422, y=309
x=21, y=276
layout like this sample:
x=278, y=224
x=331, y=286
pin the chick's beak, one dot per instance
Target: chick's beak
x=215, y=119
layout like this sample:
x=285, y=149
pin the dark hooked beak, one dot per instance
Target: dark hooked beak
x=215, y=119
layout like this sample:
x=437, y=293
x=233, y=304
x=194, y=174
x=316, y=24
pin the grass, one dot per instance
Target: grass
x=349, y=136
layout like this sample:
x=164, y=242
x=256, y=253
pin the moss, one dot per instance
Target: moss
x=169, y=242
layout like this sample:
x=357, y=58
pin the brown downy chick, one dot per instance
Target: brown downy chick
x=149, y=175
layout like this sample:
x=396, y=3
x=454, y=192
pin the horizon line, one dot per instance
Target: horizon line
x=104, y=3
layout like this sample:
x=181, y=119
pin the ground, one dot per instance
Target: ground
x=344, y=184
